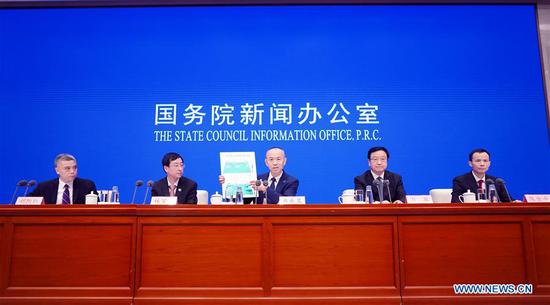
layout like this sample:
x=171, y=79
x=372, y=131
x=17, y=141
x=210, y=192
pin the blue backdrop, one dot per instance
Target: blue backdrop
x=429, y=82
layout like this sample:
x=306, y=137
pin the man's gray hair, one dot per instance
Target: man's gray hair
x=276, y=147
x=63, y=157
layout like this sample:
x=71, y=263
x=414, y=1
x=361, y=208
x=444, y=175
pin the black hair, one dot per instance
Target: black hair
x=169, y=157
x=478, y=150
x=377, y=148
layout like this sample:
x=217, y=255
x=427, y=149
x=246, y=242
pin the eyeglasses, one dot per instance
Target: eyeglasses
x=177, y=165
x=383, y=160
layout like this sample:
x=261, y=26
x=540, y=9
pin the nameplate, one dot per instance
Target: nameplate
x=419, y=199
x=29, y=200
x=164, y=200
x=292, y=199
x=536, y=198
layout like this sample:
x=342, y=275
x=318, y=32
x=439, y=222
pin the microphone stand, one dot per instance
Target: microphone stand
x=31, y=183
x=387, y=184
x=139, y=183
x=149, y=185
x=20, y=183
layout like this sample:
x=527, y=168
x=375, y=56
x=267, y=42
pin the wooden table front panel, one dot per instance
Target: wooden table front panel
x=199, y=256
x=541, y=245
x=439, y=251
x=332, y=256
x=70, y=257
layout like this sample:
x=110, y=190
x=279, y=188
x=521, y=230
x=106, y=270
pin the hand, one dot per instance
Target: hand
x=398, y=201
x=221, y=179
x=385, y=201
x=260, y=188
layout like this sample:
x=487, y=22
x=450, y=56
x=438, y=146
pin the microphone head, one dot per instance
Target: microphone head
x=258, y=182
x=22, y=183
x=31, y=183
x=377, y=182
x=489, y=181
x=265, y=182
x=387, y=182
x=499, y=180
x=139, y=183
x=150, y=183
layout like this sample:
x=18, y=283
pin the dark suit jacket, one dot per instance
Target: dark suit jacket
x=462, y=184
x=397, y=190
x=287, y=186
x=186, y=190
x=48, y=190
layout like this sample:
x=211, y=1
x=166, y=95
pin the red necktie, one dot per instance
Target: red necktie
x=480, y=183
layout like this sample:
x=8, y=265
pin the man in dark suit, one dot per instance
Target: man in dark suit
x=378, y=163
x=175, y=184
x=67, y=188
x=477, y=178
x=279, y=182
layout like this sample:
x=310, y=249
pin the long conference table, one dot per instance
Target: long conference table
x=308, y=254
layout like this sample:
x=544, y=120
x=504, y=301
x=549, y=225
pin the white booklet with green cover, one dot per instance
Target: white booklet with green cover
x=238, y=168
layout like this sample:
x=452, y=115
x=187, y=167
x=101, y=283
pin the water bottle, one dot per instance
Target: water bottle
x=368, y=194
x=493, y=197
x=239, y=196
x=115, y=198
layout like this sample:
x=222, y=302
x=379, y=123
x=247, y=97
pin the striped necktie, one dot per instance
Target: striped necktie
x=66, y=196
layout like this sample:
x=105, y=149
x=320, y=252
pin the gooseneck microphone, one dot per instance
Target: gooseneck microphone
x=490, y=186
x=258, y=183
x=29, y=184
x=265, y=183
x=380, y=187
x=139, y=183
x=501, y=181
x=149, y=185
x=387, y=184
x=20, y=183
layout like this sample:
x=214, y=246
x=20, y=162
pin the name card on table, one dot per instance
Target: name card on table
x=419, y=199
x=164, y=200
x=536, y=198
x=292, y=199
x=29, y=200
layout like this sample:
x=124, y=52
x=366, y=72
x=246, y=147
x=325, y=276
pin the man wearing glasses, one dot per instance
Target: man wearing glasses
x=380, y=178
x=175, y=184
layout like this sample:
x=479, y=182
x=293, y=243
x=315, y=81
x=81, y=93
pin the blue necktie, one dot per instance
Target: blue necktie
x=272, y=186
x=66, y=196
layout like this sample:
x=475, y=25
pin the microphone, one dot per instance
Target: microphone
x=20, y=183
x=490, y=185
x=387, y=184
x=138, y=184
x=379, y=185
x=149, y=185
x=265, y=183
x=501, y=181
x=30, y=184
x=258, y=183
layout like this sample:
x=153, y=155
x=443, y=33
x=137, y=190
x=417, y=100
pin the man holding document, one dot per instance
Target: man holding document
x=276, y=182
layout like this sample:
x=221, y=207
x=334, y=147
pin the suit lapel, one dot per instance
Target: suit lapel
x=75, y=191
x=472, y=182
x=179, y=188
x=281, y=183
x=55, y=189
x=164, y=187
